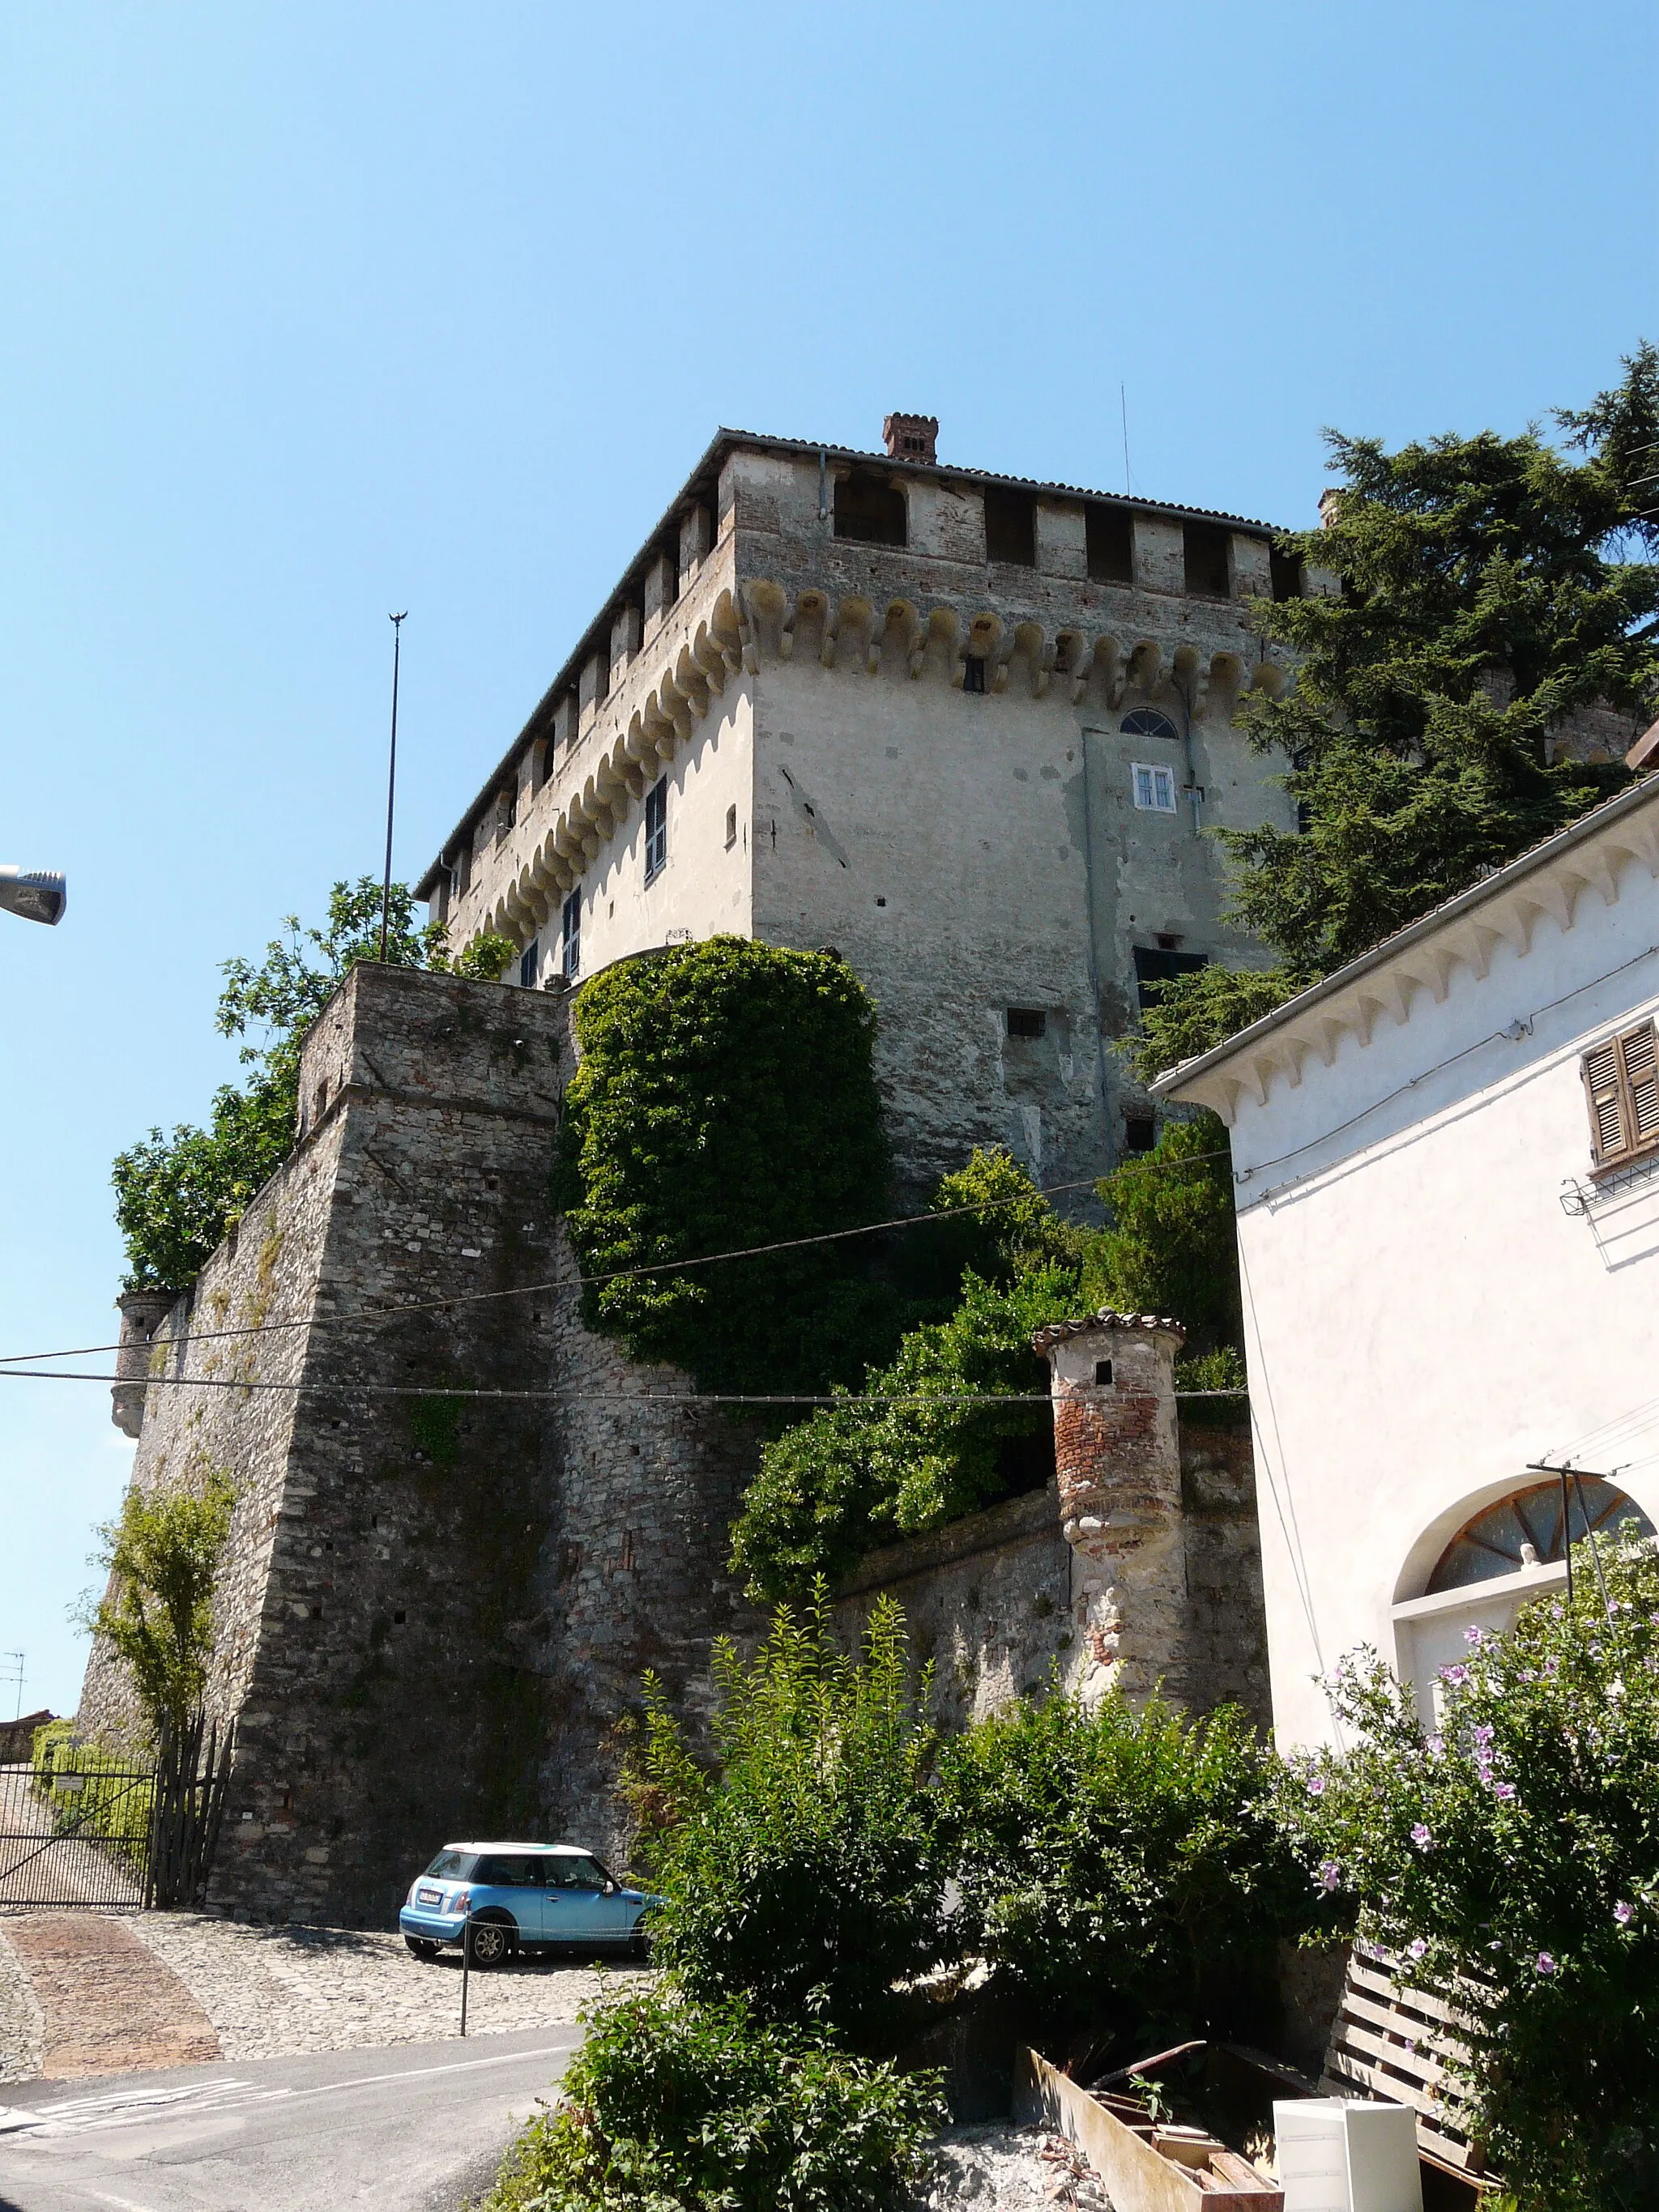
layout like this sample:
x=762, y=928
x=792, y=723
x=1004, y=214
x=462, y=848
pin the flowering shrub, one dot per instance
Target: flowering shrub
x=1511, y=1859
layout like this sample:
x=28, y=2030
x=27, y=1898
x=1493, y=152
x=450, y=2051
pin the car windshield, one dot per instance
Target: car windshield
x=575, y=1873
x=451, y=1866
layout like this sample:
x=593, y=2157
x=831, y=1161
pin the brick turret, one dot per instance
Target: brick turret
x=1117, y=1456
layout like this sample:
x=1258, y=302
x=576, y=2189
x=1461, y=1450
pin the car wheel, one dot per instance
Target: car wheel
x=638, y=1946
x=421, y=1947
x=488, y=1943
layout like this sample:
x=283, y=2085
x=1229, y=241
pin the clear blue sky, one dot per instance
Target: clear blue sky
x=316, y=312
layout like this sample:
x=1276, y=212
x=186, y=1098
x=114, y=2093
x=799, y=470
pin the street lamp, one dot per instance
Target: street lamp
x=36, y=894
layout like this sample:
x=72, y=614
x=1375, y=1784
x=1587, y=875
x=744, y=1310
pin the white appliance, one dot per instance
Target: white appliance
x=1336, y=2155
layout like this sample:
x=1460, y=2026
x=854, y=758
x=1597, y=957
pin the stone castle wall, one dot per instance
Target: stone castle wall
x=433, y=1611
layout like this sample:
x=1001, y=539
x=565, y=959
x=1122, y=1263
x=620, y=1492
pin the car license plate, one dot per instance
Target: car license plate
x=428, y=1897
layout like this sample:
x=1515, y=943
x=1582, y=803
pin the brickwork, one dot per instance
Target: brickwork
x=1165, y=1589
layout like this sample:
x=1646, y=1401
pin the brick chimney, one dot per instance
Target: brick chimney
x=143, y=1313
x=1117, y=1456
x=1330, y=506
x=911, y=437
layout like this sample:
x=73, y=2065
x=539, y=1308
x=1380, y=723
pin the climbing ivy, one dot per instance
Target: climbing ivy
x=726, y=1098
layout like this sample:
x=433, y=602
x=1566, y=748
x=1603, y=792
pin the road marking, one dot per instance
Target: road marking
x=125, y=2108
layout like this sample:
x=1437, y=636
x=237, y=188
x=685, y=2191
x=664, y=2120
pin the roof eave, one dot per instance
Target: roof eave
x=1186, y=1072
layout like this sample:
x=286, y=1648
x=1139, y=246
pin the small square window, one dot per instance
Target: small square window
x=1139, y=1132
x=973, y=672
x=1103, y=1374
x=656, y=830
x=1154, y=787
x=1027, y=1022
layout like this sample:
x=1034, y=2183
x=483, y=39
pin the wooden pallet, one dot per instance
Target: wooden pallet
x=1392, y=2041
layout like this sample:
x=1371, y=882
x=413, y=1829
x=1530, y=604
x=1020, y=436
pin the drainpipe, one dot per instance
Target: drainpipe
x=823, y=485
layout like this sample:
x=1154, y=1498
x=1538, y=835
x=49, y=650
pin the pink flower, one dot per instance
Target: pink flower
x=1546, y=1964
x=1455, y=1674
x=1422, y=1838
x=1502, y=1789
x=1474, y=1635
x=1416, y=1947
x=1330, y=1875
x=1316, y=1785
x=1484, y=1733
x=1623, y=1913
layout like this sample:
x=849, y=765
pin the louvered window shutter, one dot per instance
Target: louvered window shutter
x=1608, y=1140
x=1621, y=1083
x=1641, y=1084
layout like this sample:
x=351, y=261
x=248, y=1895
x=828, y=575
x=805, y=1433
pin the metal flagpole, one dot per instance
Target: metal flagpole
x=397, y=622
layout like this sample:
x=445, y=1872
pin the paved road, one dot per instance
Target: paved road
x=408, y=2129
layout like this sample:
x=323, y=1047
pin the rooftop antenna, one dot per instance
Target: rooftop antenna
x=397, y=622
x=1123, y=404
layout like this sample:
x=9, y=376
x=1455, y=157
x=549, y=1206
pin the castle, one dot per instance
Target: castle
x=970, y=732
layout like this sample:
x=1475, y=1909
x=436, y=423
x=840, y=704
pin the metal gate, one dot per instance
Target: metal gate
x=77, y=1834
x=87, y=1830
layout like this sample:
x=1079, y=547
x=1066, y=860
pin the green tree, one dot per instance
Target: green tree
x=162, y=1559
x=1172, y=1247
x=726, y=1098
x=1510, y=1857
x=799, y=1875
x=176, y=1197
x=1485, y=597
x=917, y=1446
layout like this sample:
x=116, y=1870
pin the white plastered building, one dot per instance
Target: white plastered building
x=1447, y=1171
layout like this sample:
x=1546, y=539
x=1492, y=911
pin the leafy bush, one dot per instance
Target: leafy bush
x=726, y=1098
x=176, y=1197
x=800, y=1875
x=671, y=2106
x=157, y=1615
x=1122, y=1864
x=864, y=1471
x=1512, y=1861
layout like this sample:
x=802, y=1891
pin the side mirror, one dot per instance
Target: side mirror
x=609, y=1886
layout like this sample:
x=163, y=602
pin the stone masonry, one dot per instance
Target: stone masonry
x=434, y=1611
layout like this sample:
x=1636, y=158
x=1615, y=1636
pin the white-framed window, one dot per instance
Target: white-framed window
x=571, y=923
x=656, y=828
x=1154, y=787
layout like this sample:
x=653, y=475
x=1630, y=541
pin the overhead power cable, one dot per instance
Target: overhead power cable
x=848, y=1398
x=557, y=1285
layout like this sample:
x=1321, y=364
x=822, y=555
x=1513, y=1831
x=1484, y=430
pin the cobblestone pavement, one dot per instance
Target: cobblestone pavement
x=270, y=1991
x=21, y=2025
x=994, y=2167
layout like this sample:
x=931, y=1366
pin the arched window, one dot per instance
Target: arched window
x=1525, y=1530
x=1147, y=722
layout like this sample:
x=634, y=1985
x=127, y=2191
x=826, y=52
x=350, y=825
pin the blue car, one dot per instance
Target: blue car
x=498, y=1898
